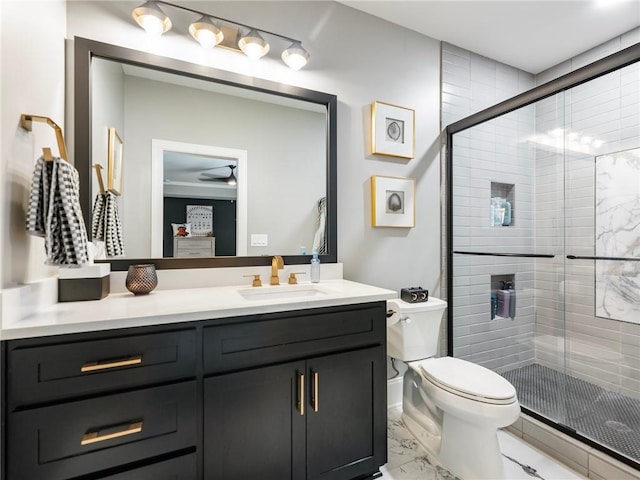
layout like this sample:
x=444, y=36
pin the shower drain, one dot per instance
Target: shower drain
x=618, y=426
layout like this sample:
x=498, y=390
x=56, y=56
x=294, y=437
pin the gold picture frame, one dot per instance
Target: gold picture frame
x=114, y=165
x=393, y=202
x=392, y=130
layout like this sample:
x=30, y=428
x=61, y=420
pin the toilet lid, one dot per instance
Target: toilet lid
x=468, y=380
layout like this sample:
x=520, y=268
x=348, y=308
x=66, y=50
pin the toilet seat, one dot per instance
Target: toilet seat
x=466, y=379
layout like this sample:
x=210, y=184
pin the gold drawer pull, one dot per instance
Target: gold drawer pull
x=94, y=437
x=93, y=366
x=301, y=393
x=316, y=392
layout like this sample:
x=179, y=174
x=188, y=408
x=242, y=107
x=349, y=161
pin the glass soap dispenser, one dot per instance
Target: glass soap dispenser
x=315, y=268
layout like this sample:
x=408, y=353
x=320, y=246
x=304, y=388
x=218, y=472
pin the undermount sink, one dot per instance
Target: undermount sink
x=282, y=292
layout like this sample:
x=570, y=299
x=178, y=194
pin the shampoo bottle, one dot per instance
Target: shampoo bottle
x=512, y=300
x=503, y=301
x=506, y=221
x=315, y=268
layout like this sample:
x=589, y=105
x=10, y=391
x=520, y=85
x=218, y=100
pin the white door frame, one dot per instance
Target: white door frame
x=158, y=147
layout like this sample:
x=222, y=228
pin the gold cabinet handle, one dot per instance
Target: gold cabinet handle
x=94, y=437
x=316, y=393
x=300, y=393
x=94, y=366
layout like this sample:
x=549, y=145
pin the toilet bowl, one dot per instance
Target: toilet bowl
x=452, y=407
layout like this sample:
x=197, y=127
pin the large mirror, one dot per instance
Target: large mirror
x=216, y=169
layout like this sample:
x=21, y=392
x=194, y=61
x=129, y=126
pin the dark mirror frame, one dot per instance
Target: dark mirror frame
x=86, y=49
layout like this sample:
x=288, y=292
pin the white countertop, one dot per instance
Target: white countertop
x=124, y=310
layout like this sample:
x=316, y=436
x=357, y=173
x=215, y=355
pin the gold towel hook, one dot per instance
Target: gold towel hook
x=98, y=169
x=26, y=123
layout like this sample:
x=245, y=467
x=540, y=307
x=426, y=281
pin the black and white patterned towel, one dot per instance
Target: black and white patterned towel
x=320, y=237
x=54, y=212
x=106, y=224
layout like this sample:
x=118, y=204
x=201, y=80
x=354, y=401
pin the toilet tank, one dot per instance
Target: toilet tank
x=413, y=328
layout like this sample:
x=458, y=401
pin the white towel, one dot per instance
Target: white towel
x=54, y=212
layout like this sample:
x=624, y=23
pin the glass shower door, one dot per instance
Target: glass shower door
x=507, y=243
x=602, y=143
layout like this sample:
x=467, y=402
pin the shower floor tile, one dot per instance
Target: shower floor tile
x=609, y=418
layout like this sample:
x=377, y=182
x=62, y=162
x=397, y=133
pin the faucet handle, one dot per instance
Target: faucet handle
x=256, y=279
x=292, y=277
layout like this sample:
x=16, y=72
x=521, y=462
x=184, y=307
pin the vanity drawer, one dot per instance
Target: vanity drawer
x=282, y=337
x=77, y=438
x=64, y=370
x=181, y=468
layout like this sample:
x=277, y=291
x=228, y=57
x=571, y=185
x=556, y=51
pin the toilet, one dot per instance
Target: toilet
x=452, y=407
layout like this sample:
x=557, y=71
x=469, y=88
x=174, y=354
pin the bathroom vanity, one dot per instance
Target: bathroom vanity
x=254, y=389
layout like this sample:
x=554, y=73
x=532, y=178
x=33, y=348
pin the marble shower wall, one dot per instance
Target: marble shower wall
x=618, y=235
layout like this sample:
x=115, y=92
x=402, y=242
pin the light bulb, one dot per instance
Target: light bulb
x=253, y=45
x=151, y=17
x=295, y=56
x=205, y=32
x=151, y=25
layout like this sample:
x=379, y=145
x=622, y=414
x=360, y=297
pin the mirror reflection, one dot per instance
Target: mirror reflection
x=184, y=142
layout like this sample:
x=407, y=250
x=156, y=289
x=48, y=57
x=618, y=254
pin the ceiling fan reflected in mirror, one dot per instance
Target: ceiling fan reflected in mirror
x=229, y=180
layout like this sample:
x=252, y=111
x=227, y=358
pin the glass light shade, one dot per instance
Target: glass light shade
x=205, y=32
x=232, y=179
x=253, y=45
x=150, y=17
x=295, y=56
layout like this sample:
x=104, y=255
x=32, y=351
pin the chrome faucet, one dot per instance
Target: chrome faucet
x=277, y=263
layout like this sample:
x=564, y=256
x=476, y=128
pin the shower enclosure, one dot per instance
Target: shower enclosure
x=543, y=245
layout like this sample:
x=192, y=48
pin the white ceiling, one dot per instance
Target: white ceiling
x=529, y=35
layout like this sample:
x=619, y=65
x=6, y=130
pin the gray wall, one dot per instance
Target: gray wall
x=33, y=82
x=491, y=152
x=402, y=68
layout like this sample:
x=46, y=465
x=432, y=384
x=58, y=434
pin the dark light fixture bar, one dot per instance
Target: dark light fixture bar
x=210, y=33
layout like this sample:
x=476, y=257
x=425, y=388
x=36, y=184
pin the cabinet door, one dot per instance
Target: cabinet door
x=253, y=426
x=346, y=422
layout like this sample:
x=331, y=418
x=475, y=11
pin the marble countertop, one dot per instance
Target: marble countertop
x=124, y=310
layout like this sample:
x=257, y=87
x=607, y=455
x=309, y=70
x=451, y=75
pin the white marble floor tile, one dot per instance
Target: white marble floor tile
x=409, y=461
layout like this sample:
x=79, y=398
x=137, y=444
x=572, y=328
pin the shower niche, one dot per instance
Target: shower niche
x=502, y=204
x=503, y=297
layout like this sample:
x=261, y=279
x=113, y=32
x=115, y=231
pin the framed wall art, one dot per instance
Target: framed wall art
x=392, y=130
x=393, y=202
x=201, y=219
x=114, y=166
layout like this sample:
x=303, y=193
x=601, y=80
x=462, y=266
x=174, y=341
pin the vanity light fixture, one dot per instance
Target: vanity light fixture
x=210, y=31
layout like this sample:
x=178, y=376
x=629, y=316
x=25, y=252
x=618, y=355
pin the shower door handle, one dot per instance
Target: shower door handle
x=597, y=257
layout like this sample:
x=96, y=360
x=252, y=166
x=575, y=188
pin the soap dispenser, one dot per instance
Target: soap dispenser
x=315, y=268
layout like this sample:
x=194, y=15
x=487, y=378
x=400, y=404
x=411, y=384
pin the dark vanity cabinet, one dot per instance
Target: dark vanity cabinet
x=289, y=395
